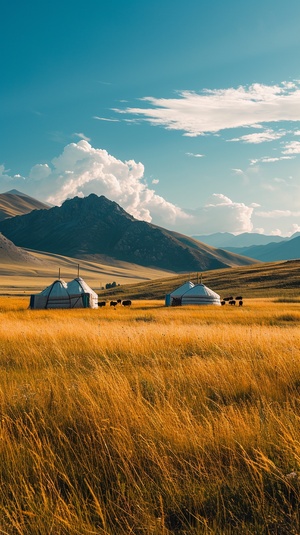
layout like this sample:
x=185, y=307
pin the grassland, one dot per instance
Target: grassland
x=150, y=420
x=258, y=280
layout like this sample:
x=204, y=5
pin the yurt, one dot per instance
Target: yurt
x=81, y=294
x=200, y=295
x=75, y=294
x=54, y=296
x=176, y=295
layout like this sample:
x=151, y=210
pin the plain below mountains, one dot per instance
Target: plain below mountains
x=94, y=225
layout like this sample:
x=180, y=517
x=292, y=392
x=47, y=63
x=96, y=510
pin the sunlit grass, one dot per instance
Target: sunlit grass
x=150, y=420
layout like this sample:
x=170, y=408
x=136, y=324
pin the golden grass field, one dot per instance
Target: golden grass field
x=150, y=420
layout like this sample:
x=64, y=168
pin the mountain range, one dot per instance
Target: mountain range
x=94, y=225
x=257, y=246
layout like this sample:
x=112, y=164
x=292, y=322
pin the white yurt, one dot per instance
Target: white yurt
x=176, y=295
x=200, y=295
x=75, y=294
x=80, y=292
x=54, y=296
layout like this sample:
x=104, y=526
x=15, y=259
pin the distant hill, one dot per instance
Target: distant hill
x=269, y=280
x=14, y=203
x=95, y=225
x=285, y=250
x=246, y=239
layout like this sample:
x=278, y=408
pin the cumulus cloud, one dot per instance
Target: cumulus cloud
x=220, y=212
x=260, y=137
x=81, y=169
x=214, y=110
x=40, y=171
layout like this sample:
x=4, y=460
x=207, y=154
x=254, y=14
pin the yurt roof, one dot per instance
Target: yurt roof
x=78, y=286
x=58, y=288
x=201, y=290
x=182, y=289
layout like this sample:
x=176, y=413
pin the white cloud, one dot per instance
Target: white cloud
x=81, y=136
x=82, y=169
x=239, y=172
x=292, y=148
x=220, y=212
x=295, y=228
x=40, y=171
x=219, y=109
x=260, y=137
x=106, y=119
x=268, y=159
x=6, y=180
x=155, y=181
x=194, y=155
x=278, y=213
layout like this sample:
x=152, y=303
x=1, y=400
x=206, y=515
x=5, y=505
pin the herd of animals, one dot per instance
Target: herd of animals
x=126, y=303
x=232, y=301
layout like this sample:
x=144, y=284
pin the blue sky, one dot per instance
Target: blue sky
x=185, y=113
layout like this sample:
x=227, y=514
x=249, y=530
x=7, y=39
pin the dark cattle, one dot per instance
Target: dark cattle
x=126, y=303
x=223, y=302
x=232, y=302
x=239, y=298
x=119, y=301
x=102, y=304
x=228, y=298
x=240, y=303
x=113, y=303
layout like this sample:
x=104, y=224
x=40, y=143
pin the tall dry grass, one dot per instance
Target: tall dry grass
x=150, y=420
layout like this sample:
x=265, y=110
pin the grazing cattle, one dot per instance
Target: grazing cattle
x=232, y=302
x=228, y=298
x=102, y=304
x=239, y=298
x=240, y=303
x=126, y=303
x=223, y=302
x=119, y=301
x=113, y=303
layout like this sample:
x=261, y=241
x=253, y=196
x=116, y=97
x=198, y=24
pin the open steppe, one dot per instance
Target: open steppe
x=24, y=278
x=150, y=420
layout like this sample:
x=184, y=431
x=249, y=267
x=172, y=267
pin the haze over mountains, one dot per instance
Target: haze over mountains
x=94, y=225
x=257, y=246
